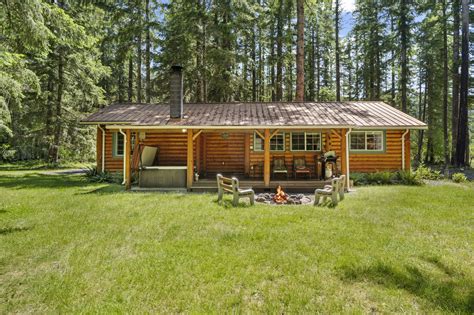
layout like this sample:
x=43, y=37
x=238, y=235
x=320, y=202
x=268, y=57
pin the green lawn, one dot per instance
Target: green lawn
x=69, y=246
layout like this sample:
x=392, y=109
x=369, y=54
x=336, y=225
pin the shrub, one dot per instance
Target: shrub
x=94, y=176
x=408, y=178
x=424, y=172
x=380, y=178
x=459, y=178
x=359, y=179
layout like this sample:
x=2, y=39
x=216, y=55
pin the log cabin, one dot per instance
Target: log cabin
x=186, y=145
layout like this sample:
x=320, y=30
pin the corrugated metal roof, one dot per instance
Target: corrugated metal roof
x=271, y=114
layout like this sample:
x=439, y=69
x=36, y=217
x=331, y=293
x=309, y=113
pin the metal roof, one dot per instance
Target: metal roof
x=362, y=114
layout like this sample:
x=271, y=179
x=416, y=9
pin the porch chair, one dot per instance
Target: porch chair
x=300, y=167
x=231, y=186
x=279, y=166
x=332, y=191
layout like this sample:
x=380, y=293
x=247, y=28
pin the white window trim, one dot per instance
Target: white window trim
x=305, y=144
x=365, y=141
x=115, y=139
x=255, y=135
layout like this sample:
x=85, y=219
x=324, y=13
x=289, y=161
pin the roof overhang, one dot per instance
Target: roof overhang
x=175, y=127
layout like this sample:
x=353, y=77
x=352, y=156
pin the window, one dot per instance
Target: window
x=118, y=144
x=367, y=141
x=305, y=141
x=277, y=142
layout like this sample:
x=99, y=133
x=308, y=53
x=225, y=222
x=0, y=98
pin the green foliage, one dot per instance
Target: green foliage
x=386, y=178
x=459, y=178
x=408, y=178
x=424, y=172
x=95, y=176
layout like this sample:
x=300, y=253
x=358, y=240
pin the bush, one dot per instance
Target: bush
x=424, y=172
x=386, y=178
x=408, y=178
x=459, y=178
x=358, y=179
x=94, y=176
x=380, y=178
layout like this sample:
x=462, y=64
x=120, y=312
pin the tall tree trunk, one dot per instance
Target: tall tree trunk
x=139, y=68
x=392, y=69
x=404, y=53
x=445, y=86
x=318, y=64
x=54, y=153
x=148, y=53
x=338, y=71
x=456, y=8
x=254, y=67
x=312, y=66
x=300, y=51
x=279, y=69
x=462, y=146
x=130, y=78
x=272, y=62
x=422, y=117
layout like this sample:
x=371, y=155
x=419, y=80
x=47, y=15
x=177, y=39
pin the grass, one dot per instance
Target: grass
x=67, y=246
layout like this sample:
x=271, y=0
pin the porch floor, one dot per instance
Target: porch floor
x=293, y=186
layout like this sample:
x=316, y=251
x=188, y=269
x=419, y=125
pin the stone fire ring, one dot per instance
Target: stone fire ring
x=293, y=199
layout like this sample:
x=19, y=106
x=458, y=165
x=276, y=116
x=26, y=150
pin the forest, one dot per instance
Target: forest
x=63, y=59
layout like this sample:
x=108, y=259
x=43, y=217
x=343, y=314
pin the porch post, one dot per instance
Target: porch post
x=247, y=155
x=99, y=151
x=266, y=158
x=190, y=160
x=126, y=156
x=343, y=152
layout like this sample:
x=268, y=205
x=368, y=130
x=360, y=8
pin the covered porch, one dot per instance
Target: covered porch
x=248, y=154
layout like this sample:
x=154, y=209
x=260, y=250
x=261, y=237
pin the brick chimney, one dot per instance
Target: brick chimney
x=176, y=92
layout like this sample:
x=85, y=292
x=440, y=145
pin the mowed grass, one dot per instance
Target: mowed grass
x=70, y=246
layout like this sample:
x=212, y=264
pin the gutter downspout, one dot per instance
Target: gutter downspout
x=103, y=147
x=124, y=155
x=347, y=159
x=403, y=148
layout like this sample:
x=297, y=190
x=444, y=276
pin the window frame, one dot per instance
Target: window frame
x=255, y=135
x=305, y=141
x=115, y=139
x=368, y=151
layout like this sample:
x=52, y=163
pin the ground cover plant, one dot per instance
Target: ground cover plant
x=68, y=245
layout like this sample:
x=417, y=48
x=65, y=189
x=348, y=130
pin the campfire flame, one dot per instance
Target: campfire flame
x=280, y=195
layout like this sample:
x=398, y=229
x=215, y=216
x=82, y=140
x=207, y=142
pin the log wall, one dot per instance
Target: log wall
x=226, y=152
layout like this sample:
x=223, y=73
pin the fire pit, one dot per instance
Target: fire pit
x=280, y=197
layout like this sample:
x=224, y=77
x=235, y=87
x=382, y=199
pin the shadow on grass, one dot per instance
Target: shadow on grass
x=103, y=190
x=10, y=230
x=226, y=203
x=41, y=181
x=452, y=292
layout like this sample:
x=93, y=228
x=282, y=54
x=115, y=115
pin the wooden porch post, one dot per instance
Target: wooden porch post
x=343, y=152
x=247, y=155
x=407, y=152
x=266, y=159
x=190, y=160
x=198, y=154
x=128, y=166
x=99, y=153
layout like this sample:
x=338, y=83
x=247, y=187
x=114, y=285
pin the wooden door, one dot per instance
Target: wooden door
x=225, y=153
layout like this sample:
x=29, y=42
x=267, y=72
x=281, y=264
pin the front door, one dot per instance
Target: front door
x=225, y=153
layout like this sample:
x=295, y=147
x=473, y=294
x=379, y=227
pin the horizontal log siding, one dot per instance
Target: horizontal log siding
x=112, y=164
x=390, y=160
x=256, y=157
x=172, y=149
x=215, y=150
x=224, y=155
